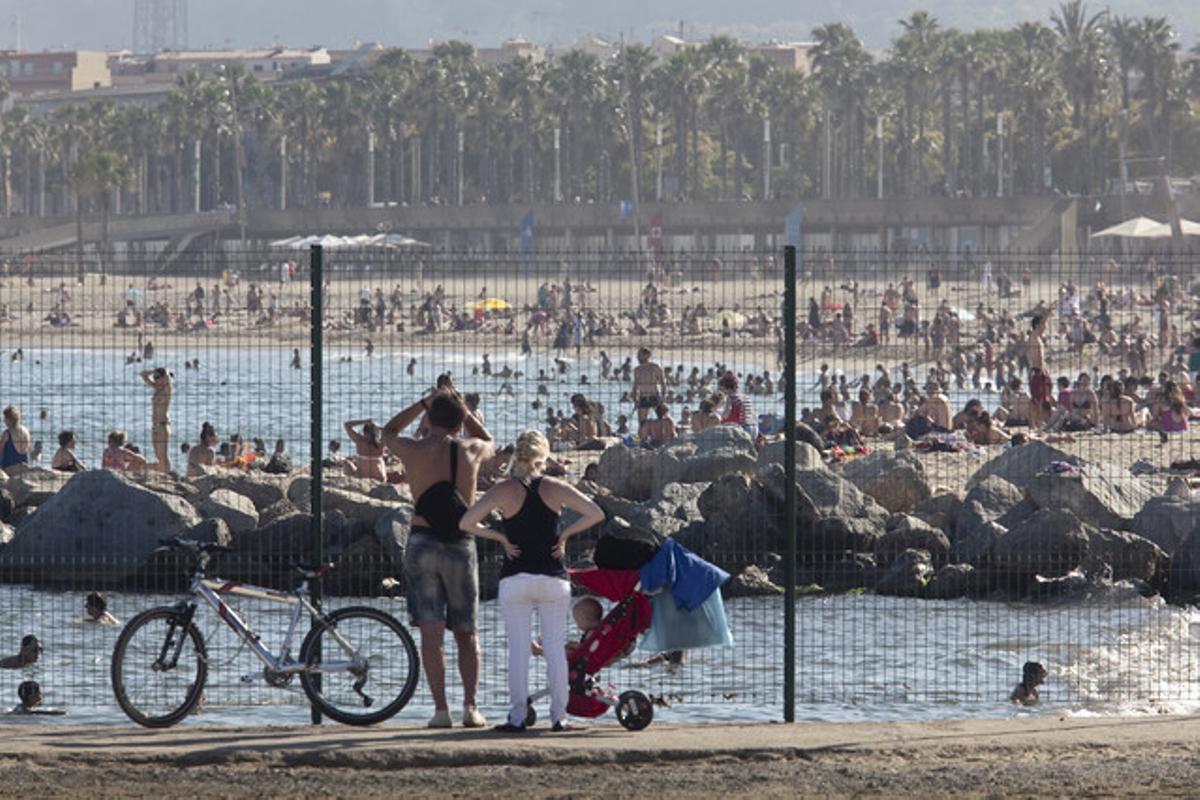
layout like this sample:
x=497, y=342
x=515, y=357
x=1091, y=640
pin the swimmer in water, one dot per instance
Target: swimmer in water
x=1033, y=675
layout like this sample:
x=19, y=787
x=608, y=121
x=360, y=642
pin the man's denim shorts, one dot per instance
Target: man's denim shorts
x=441, y=580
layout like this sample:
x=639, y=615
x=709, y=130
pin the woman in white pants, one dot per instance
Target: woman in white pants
x=533, y=577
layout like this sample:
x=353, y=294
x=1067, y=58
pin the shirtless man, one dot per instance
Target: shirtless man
x=160, y=418
x=1039, y=379
x=937, y=408
x=658, y=431
x=864, y=415
x=440, y=568
x=649, y=385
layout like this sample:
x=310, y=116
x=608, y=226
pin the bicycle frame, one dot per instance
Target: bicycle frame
x=210, y=590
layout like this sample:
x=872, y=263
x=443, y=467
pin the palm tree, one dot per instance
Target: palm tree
x=1083, y=67
x=1159, y=65
x=98, y=174
x=915, y=54
x=520, y=89
x=575, y=84
x=842, y=70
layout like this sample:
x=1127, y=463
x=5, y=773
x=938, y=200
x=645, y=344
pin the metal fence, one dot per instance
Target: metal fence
x=892, y=577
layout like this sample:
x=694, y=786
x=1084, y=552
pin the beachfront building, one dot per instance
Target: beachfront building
x=265, y=65
x=42, y=73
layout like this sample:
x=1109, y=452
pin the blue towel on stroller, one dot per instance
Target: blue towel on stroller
x=672, y=628
x=690, y=578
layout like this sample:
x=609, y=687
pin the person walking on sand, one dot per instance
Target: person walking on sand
x=159, y=379
x=440, y=567
x=1039, y=379
x=649, y=385
x=15, y=441
x=533, y=577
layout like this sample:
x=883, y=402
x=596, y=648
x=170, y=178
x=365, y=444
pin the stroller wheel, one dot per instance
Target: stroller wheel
x=634, y=710
x=530, y=715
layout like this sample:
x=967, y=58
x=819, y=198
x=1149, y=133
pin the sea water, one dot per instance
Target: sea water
x=858, y=658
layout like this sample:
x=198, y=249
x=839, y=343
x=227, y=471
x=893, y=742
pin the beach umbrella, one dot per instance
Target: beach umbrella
x=1136, y=228
x=491, y=304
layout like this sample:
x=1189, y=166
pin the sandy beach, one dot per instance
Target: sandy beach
x=1030, y=755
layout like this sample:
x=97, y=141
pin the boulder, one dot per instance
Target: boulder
x=807, y=456
x=166, y=483
x=360, y=570
x=851, y=571
x=986, y=511
x=237, y=510
x=953, y=581
x=1129, y=556
x=630, y=472
x=170, y=570
x=6, y=533
x=738, y=525
x=391, y=531
x=263, y=490
x=895, y=479
x=35, y=486
x=724, y=437
x=833, y=516
x=908, y=576
x=276, y=510
x=1018, y=465
x=391, y=493
x=1050, y=543
x=1166, y=520
x=910, y=533
x=940, y=511
x=358, y=508
x=99, y=527
x=7, y=506
x=1101, y=495
x=665, y=514
x=297, y=490
x=1184, y=580
x=751, y=582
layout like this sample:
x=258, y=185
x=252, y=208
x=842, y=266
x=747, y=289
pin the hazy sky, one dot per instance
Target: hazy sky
x=108, y=24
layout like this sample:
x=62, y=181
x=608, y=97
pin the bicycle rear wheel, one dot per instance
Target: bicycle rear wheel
x=159, y=667
x=368, y=666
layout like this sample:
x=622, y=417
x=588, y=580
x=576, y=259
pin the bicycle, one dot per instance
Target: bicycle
x=160, y=662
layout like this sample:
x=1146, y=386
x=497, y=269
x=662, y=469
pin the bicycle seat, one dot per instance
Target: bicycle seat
x=309, y=570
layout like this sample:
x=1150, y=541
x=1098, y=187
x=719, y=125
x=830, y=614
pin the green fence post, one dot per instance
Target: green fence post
x=316, y=398
x=789, y=483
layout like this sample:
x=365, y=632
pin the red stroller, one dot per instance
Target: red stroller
x=608, y=642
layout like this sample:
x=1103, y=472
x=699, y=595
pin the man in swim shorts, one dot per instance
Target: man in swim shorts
x=649, y=385
x=440, y=569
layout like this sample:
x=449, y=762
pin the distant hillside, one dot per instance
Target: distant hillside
x=217, y=23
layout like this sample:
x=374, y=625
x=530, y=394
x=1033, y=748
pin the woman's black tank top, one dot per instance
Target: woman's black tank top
x=442, y=505
x=534, y=529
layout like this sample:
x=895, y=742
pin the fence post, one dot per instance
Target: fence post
x=316, y=398
x=789, y=483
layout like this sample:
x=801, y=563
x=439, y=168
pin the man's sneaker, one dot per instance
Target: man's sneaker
x=562, y=726
x=441, y=719
x=472, y=718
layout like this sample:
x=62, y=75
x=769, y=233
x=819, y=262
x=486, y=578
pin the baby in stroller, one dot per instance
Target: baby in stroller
x=607, y=638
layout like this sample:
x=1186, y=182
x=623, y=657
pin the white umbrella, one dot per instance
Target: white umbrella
x=1137, y=228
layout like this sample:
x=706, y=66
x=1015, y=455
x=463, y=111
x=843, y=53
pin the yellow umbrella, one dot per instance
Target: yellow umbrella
x=491, y=304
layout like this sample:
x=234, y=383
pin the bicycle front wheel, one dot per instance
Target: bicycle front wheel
x=159, y=667
x=362, y=666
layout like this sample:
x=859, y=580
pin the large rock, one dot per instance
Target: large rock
x=237, y=510
x=1167, y=521
x=1130, y=556
x=833, y=515
x=910, y=533
x=852, y=571
x=391, y=531
x=1018, y=465
x=739, y=527
x=908, y=576
x=264, y=490
x=941, y=511
x=7, y=506
x=807, y=456
x=35, y=486
x=988, y=509
x=640, y=474
x=358, y=508
x=1049, y=543
x=1100, y=495
x=751, y=582
x=99, y=527
x=391, y=493
x=297, y=490
x=6, y=533
x=895, y=479
x=953, y=581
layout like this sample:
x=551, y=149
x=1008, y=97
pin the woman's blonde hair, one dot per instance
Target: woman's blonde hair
x=531, y=451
